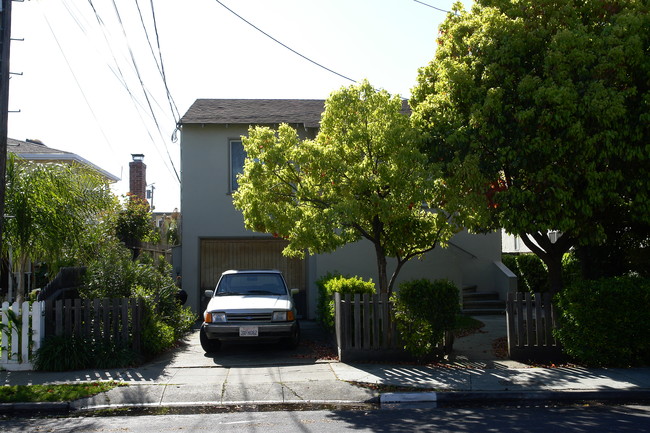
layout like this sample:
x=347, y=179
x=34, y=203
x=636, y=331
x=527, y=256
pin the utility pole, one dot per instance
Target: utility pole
x=5, y=43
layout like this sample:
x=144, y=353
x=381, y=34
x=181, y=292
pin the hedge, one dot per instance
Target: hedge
x=605, y=322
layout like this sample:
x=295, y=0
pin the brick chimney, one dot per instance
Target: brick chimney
x=138, y=176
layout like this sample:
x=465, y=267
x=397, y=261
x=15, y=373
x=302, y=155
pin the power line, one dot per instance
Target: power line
x=172, y=103
x=432, y=7
x=158, y=59
x=117, y=71
x=146, y=94
x=77, y=81
x=282, y=44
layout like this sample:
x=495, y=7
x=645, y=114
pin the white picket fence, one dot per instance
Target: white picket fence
x=19, y=342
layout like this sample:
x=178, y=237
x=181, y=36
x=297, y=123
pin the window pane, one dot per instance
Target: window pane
x=237, y=156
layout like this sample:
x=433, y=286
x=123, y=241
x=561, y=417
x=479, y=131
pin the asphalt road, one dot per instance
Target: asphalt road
x=579, y=419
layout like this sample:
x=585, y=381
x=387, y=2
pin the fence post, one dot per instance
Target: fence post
x=337, y=321
x=38, y=324
x=15, y=347
x=357, y=321
x=376, y=329
x=24, y=338
x=4, y=339
x=510, y=322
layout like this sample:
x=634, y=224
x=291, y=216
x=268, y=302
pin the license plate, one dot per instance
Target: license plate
x=248, y=331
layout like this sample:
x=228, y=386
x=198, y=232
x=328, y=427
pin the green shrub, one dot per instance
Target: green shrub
x=114, y=274
x=336, y=283
x=571, y=272
x=157, y=336
x=424, y=310
x=67, y=353
x=531, y=272
x=604, y=322
x=110, y=274
x=164, y=319
x=510, y=261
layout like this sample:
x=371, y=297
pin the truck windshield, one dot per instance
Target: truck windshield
x=251, y=284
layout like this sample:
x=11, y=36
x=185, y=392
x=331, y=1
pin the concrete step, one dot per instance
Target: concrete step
x=484, y=311
x=494, y=303
x=469, y=289
x=482, y=303
x=480, y=296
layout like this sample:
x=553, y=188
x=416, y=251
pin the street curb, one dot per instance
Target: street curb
x=51, y=408
x=550, y=396
x=482, y=397
x=392, y=399
x=408, y=397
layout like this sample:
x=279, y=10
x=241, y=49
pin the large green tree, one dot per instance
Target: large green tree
x=362, y=177
x=553, y=98
x=54, y=211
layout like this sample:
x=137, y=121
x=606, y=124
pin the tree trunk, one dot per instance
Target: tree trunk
x=554, y=266
x=20, y=287
x=551, y=254
x=393, y=277
x=381, y=269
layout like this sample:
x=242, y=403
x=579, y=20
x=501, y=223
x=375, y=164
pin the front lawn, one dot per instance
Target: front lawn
x=52, y=393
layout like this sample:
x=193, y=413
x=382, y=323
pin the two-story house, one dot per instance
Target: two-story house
x=213, y=235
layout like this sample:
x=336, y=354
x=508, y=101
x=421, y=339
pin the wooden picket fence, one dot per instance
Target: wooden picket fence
x=365, y=329
x=20, y=339
x=115, y=320
x=531, y=320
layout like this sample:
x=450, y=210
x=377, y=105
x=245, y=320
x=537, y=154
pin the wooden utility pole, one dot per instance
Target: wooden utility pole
x=5, y=43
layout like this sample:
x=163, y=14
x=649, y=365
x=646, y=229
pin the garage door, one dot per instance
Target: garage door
x=218, y=255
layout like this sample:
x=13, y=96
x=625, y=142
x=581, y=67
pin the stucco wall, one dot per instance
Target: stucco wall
x=206, y=202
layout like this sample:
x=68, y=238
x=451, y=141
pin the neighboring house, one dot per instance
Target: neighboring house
x=512, y=244
x=212, y=231
x=35, y=150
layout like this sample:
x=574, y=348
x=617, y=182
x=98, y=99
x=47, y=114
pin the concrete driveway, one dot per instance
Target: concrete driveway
x=315, y=346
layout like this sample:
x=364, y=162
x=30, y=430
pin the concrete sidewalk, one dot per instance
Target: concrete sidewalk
x=261, y=376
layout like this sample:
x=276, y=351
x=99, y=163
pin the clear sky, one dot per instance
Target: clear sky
x=85, y=72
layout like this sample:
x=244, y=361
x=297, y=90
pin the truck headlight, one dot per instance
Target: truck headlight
x=283, y=316
x=215, y=317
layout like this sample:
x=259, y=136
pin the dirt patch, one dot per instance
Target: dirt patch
x=317, y=350
x=500, y=347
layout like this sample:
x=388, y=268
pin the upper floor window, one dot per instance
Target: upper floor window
x=237, y=156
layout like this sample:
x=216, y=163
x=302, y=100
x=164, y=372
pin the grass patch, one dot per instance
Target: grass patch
x=52, y=393
x=466, y=325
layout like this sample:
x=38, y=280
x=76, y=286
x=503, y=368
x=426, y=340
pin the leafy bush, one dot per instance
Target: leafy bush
x=66, y=353
x=424, y=310
x=157, y=335
x=531, y=272
x=114, y=274
x=510, y=261
x=571, y=272
x=110, y=274
x=133, y=223
x=604, y=322
x=335, y=283
x=164, y=320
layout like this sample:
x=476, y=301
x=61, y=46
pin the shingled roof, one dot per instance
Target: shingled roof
x=255, y=111
x=35, y=150
x=33, y=147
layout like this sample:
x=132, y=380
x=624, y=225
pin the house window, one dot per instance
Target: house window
x=237, y=156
